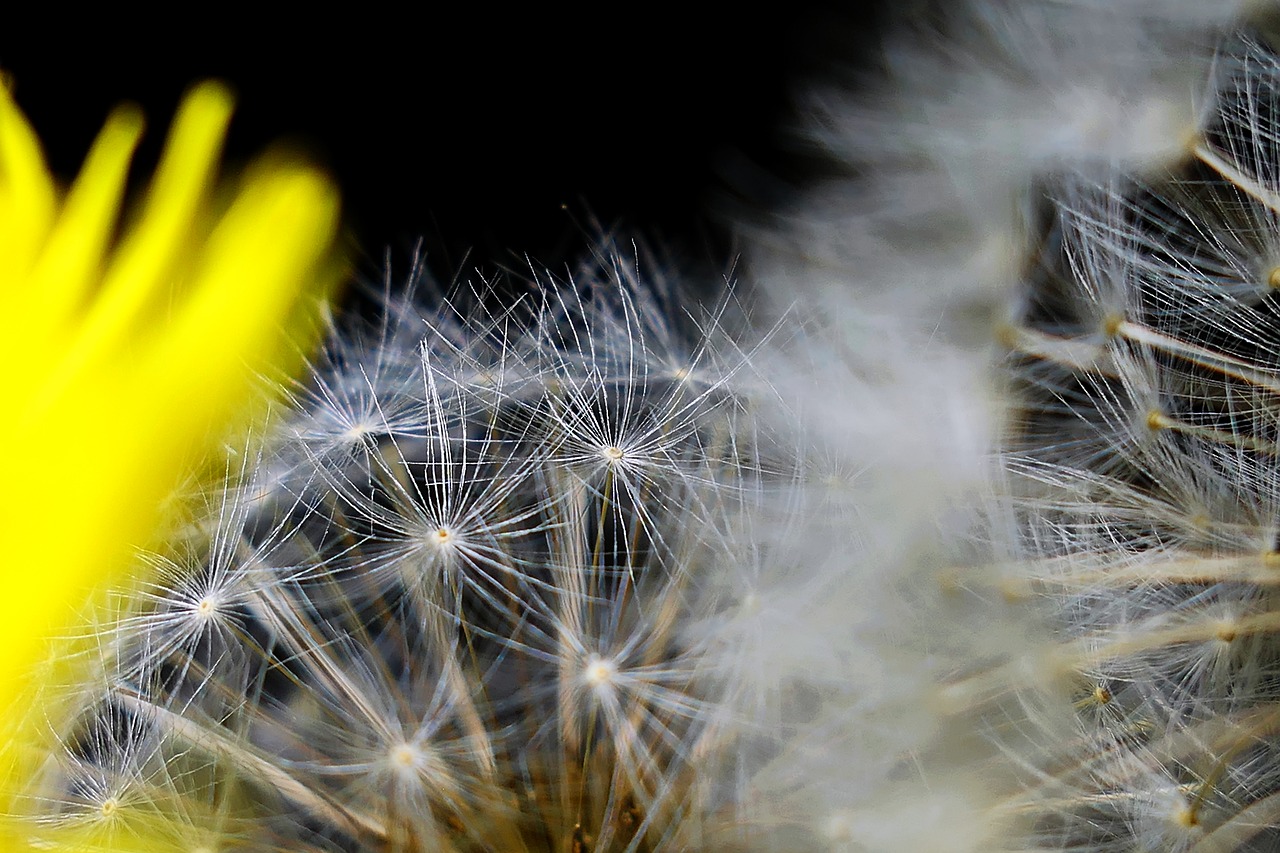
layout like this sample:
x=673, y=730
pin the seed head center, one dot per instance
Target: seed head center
x=357, y=432
x=600, y=672
x=405, y=756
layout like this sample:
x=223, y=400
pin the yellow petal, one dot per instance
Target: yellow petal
x=130, y=366
x=72, y=259
x=27, y=198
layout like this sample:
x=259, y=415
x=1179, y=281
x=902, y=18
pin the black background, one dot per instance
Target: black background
x=492, y=136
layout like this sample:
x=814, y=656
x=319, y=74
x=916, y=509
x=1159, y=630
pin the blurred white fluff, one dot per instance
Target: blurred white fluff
x=1061, y=404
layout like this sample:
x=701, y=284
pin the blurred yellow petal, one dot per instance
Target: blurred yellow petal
x=72, y=259
x=27, y=198
x=156, y=255
x=130, y=366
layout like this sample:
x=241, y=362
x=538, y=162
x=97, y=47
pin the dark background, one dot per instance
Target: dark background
x=490, y=135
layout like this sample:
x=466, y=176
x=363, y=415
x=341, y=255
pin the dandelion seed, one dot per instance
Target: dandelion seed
x=600, y=673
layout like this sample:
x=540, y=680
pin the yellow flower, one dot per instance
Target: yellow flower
x=126, y=361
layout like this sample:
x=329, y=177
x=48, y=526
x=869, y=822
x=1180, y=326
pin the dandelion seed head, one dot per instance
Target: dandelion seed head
x=207, y=607
x=107, y=808
x=585, y=570
x=411, y=761
x=357, y=433
x=404, y=755
x=443, y=537
x=600, y=674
